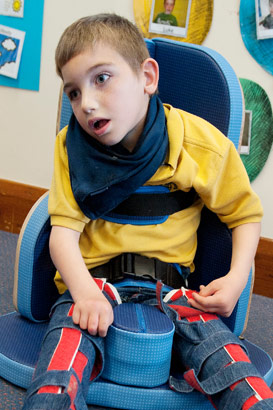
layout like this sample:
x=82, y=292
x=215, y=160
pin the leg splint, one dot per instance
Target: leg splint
x=215, y=360
x=70, y=358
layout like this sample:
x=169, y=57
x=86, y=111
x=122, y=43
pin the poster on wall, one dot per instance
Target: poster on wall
x=170, y=17
x=264, y=19
x=13, y=8
x=11, y=45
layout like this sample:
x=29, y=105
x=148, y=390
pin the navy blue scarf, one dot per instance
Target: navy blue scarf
x=102, y=177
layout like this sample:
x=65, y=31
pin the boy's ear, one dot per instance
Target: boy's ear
x=151, y=73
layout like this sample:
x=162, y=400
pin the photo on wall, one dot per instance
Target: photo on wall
x=170, y=17
x=246, y=137
x=264, y=19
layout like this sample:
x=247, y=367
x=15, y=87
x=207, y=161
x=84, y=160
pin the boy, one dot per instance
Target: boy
x=120, y=137
x=167, y=17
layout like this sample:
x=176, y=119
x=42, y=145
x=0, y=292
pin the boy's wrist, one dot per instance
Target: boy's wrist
x=238, y=278
x=86, y=291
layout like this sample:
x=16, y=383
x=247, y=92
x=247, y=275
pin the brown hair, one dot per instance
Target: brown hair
x=116, y=31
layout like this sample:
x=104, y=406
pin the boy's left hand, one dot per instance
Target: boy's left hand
x=219, y=296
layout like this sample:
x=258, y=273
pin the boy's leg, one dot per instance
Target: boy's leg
x=69, y=359
x=216, y=362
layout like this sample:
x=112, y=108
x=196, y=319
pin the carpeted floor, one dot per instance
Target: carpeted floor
x=259, y=329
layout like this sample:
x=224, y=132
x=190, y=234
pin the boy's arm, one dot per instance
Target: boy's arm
x=221, y=295
x=92, y=311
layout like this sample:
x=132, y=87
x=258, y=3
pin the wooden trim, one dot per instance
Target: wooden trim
x=16, y=200
x=18, y=250
x=58, y=122
x=263, y=284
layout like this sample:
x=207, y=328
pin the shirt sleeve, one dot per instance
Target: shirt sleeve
x=225, y=188
x=63, y=208
x=219, y=176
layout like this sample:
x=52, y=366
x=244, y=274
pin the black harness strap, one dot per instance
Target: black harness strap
x=151, y=205
x=155, y=204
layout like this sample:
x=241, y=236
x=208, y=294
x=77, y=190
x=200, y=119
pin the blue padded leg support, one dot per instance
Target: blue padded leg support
x=66, y=363
x=216, y=361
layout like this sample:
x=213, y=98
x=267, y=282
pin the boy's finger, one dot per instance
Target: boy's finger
x=104, y=323
x=207, y=290
x=83, y=322
x=103, y=328
x=199, y=306
x=204, y=302
x=93, y=322
x=76, y=316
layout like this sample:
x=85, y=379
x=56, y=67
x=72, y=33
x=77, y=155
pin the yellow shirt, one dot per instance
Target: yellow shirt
x=199, y=156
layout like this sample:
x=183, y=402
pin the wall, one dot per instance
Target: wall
x=28, y=118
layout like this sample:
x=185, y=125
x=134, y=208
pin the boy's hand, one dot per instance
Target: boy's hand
x=219, y=296
x=94, y=314
x=92, y=311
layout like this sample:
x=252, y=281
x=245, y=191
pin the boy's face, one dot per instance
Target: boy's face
x=107, y=97
x=169, y=5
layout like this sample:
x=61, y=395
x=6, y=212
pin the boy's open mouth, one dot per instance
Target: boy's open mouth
x=98, y=124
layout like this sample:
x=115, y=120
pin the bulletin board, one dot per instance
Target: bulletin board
x=31, y=23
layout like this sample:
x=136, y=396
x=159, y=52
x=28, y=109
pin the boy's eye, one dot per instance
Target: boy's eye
x=72, y=95
x=101, y=78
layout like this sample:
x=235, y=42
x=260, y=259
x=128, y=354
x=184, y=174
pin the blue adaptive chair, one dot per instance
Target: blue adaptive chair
x=196, y=79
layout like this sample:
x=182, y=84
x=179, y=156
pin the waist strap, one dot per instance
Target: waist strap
x=134, y=265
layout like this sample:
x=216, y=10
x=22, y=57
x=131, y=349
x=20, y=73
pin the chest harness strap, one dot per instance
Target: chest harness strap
x=151, y=205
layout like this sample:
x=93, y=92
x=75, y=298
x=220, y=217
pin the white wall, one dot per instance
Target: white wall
x=28, y=118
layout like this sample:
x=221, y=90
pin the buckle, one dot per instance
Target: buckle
x=132, y=264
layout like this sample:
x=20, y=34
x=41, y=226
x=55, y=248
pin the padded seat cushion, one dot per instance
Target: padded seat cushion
x=138, y=346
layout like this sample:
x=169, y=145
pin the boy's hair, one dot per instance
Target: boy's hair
x=174, y=2
x=110, y=29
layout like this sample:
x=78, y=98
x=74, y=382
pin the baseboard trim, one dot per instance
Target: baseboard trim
x=16, y=200
x=263, y=284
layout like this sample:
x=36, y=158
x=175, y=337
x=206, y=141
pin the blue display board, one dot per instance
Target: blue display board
x=260, y=50
x=32, y=24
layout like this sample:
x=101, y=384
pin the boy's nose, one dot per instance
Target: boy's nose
x=88, y=102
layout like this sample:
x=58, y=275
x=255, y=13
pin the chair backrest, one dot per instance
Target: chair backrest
x=199, y=80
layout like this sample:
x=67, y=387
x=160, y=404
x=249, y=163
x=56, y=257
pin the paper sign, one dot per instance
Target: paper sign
x=13, y=8
x=11, y=45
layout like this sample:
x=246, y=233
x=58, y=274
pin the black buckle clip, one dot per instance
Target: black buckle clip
x=134, y=265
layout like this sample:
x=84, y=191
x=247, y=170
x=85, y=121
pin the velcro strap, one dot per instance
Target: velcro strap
x=266, y=404
x=224, y=378
x=53, y=401
x=209, y=346
x=237, y=396
x=218, y=382
x=52, y=378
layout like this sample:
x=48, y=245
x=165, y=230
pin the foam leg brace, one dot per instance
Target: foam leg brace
x=70, y=358
x=216, y=361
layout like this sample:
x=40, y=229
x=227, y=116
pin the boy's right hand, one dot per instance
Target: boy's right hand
x=94, y=314
x=92, y=311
